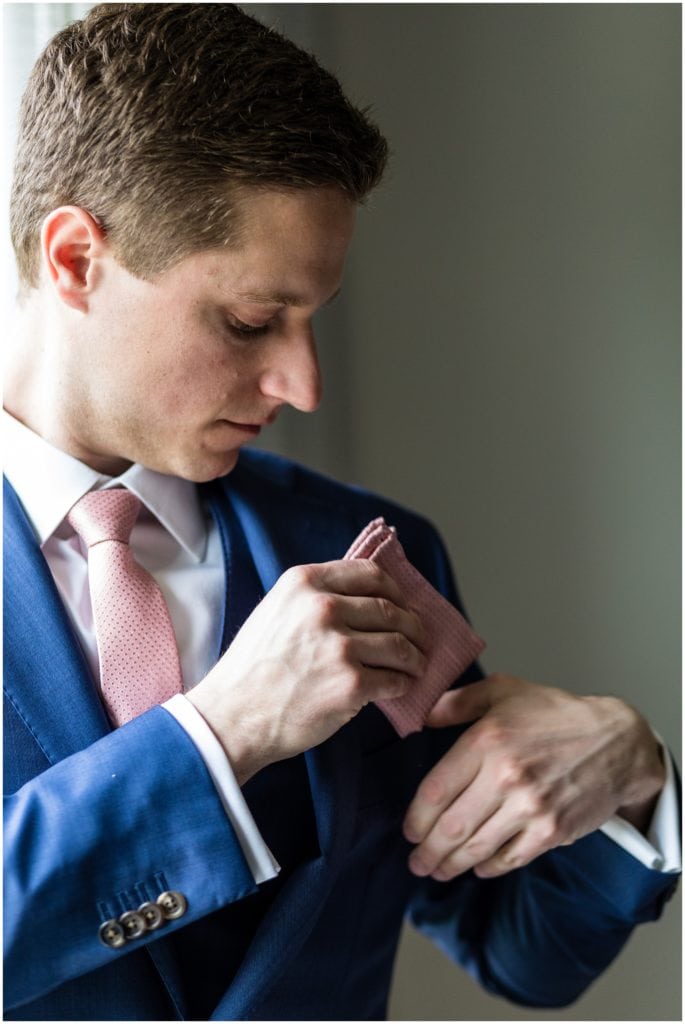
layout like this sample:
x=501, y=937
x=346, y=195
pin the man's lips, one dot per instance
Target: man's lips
x=249, y=428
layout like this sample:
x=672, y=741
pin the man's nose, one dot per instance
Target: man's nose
x=295, y=376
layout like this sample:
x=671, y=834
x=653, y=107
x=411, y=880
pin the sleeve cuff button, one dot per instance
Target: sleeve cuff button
x=112, y=934
x=133, y=924
x=152, y=915
x=173, y=904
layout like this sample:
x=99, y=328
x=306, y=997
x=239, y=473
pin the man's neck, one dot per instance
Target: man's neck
x=35, y=392
x=60, y=439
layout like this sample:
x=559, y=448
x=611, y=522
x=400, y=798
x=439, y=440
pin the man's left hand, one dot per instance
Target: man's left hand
x=539, y=768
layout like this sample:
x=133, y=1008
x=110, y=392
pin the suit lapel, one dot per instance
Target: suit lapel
x=46, y=675
x=277, y=530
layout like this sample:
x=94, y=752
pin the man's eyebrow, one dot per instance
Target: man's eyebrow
x=283, y=298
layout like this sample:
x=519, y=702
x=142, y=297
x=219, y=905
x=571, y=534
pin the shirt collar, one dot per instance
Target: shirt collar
x=49, y=482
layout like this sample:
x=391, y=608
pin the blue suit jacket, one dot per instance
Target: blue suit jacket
x=98, y=820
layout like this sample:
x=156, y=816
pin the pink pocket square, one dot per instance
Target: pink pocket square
x=453, y=645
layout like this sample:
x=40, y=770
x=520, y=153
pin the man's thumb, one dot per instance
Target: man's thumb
x=457, y=707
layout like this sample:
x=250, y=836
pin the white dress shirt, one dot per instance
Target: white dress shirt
x=178, y=543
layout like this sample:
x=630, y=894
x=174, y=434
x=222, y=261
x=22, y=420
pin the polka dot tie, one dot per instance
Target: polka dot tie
x=139, y=663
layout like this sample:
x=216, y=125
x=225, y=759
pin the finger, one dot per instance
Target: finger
x=454, y=828
x=384, y=684
x=379, y=614
x=534, y=839
x=463, y=705
x=446, y=781
x=507, y=858
x=493, y=834
x=356, y=577
x=388, y=651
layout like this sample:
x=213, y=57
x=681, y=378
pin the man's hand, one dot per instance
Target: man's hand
x=539, y=768
x=326, y=640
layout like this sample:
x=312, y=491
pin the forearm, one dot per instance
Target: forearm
x=91, y=833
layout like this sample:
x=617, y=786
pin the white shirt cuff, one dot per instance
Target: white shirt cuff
x=660, y=848
x=261, y=861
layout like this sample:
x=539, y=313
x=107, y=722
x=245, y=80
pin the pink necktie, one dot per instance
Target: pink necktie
x=139, y=664
x=452, y=644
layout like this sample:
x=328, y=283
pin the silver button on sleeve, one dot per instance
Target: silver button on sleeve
x=173, y=904
x=133, y=924
x=152, y=914
x=111, y=934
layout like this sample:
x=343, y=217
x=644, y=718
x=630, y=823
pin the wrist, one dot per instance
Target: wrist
x=639, y=815
x=647, y=776
x=240, y=751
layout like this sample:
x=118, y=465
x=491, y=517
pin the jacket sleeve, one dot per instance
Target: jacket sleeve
x=541, y=934
x=101, y=832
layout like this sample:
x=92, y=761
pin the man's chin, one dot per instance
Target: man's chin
x=211, y=466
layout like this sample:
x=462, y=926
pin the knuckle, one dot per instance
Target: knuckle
x=513, y=860
x=476, y=849
x=387, y=609
x=489, y=734
x=299, y=576
x=511, y=773
x=535, y=803
x=549, y=830
x=325, y=609
x=402, y=646
x=451, y=828
x=343, y=645
x=432, y=790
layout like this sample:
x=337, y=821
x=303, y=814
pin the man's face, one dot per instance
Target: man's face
x=179, y=372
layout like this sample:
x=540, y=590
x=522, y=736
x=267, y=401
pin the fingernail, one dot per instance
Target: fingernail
x=440, y=876
x=410, y=834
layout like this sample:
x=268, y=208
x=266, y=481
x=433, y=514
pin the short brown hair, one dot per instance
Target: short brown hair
x=147, y=114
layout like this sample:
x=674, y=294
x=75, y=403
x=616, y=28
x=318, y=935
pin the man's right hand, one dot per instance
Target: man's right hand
x=324, y=642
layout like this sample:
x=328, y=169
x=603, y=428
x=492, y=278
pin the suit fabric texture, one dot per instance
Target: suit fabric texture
x=98, y=821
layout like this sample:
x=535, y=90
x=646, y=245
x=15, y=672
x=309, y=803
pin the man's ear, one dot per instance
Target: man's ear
x=71, y=242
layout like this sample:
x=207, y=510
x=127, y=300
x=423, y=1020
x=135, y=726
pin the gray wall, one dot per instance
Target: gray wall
x=506, y=358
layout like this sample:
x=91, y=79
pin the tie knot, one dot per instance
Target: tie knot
x=105, y=515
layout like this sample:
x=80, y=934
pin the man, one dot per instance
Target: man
x=185, y=194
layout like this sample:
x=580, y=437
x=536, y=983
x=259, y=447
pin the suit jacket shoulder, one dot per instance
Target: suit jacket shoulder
x=338, y=510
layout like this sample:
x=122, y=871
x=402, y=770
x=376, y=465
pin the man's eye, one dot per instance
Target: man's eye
x=243, y=330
